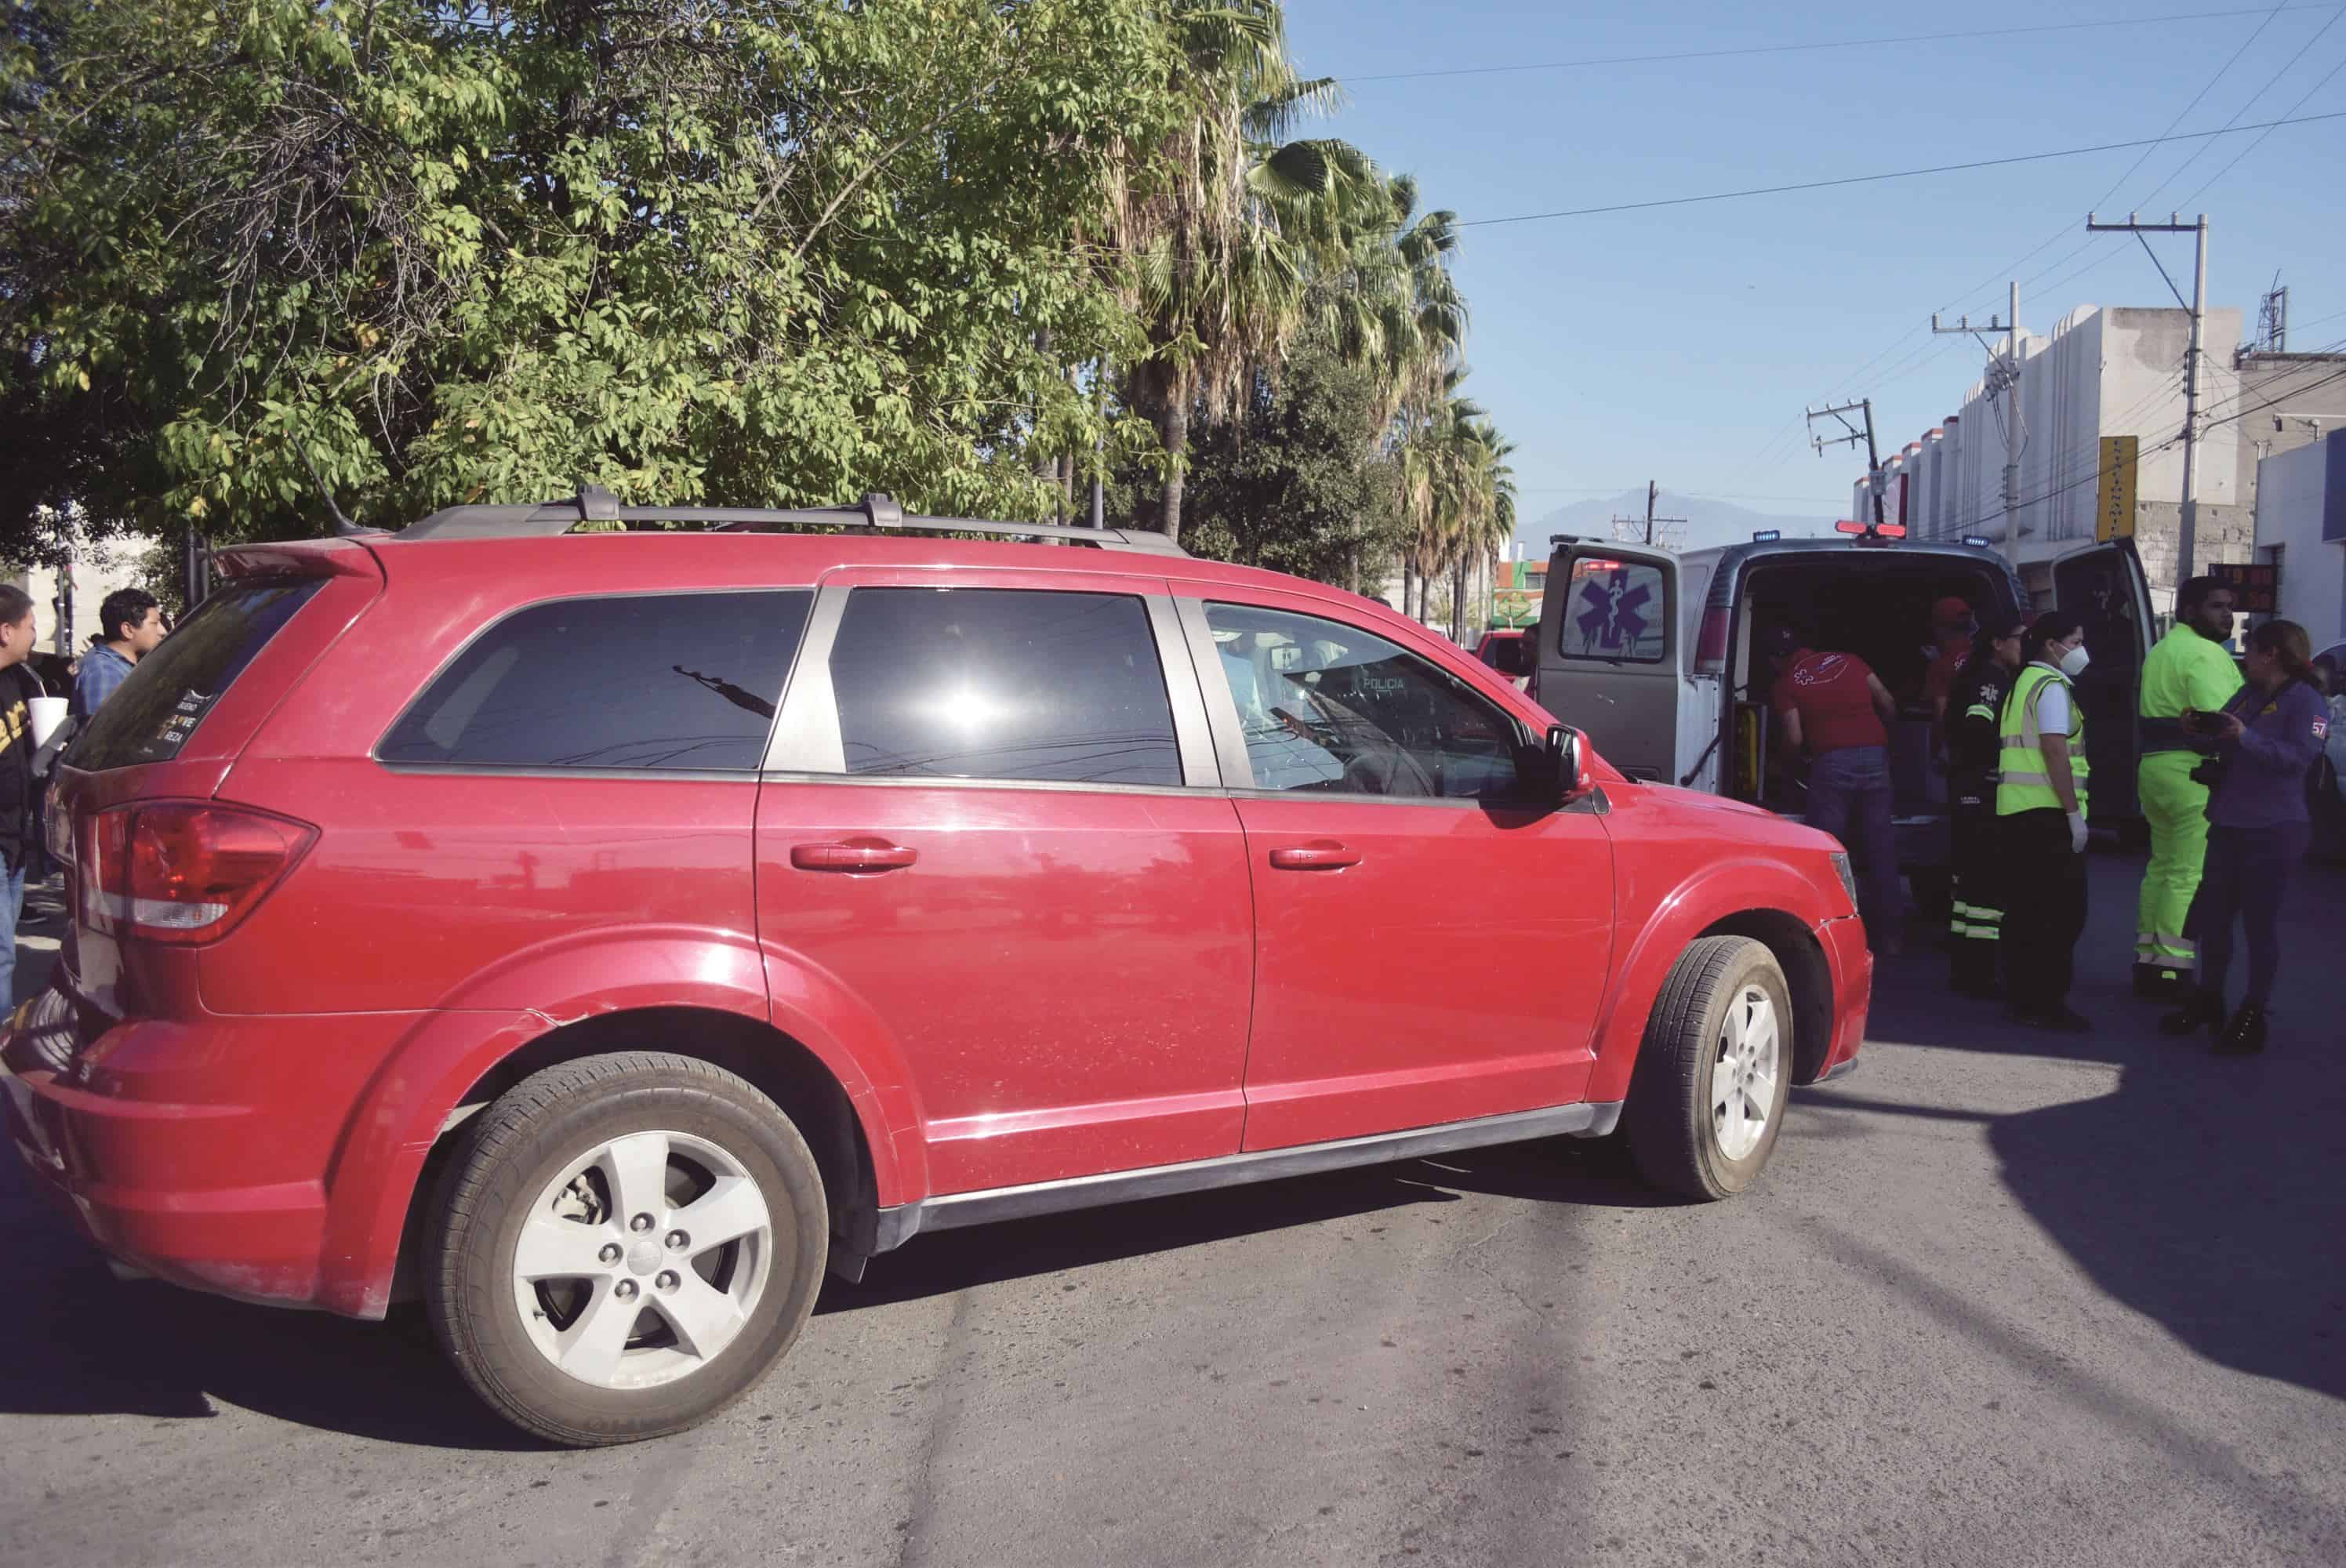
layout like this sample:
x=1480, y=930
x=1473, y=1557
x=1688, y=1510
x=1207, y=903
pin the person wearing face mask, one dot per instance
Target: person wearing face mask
x=1974, y=715
x=2268, y=739
x=2040, y=807
x=2189, y=671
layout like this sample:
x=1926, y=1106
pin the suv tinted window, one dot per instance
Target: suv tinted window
x=158, y=704
x=1330, y=707
x=988, y=683
x=657, y=681
x=1613, y=610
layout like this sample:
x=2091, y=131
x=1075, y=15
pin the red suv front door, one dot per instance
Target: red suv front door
x=982, y=826
x=1431, y=944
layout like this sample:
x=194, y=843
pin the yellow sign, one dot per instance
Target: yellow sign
x=2115, y=519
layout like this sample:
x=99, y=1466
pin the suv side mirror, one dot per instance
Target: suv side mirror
x=1568, y=751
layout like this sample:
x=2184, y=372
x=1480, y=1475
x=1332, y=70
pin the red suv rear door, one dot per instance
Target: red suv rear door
x=1431, y=944
x=983, y=822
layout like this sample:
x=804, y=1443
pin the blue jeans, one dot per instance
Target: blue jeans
x=12, y=905
x=1849, y=797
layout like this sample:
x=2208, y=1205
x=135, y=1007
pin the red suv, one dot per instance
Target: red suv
x=598, y=931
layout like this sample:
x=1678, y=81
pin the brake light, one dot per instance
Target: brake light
x=1710, y=645
x=181, y=872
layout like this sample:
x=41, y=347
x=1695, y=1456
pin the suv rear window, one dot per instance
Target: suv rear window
x=652, y=682
x=157, y=707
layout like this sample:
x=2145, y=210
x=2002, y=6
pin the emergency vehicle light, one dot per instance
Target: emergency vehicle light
x=1765, y=536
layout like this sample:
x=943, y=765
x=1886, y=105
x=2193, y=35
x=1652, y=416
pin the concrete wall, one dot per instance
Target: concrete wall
x=2101, y=373
x=2293, y=487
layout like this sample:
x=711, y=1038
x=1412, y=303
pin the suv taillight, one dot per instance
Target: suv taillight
x=180, y=872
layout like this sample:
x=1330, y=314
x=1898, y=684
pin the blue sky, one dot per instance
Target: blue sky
x=1681, y=343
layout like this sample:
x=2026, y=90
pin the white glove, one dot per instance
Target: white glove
x=2076, y=832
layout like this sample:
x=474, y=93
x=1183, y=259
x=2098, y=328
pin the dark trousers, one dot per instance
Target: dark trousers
x=2044, y=913
x=2247, y=873
x=1976, y=880
x=1849, y=797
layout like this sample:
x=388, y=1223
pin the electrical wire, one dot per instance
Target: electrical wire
x=2252, y=146
x=1976, y=290
x=1754, y=49
x=1892, y=173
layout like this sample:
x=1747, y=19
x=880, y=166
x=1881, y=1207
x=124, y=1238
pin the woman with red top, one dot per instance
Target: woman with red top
x=1833, y=706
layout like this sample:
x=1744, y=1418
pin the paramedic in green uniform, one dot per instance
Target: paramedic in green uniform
x=2188, y=672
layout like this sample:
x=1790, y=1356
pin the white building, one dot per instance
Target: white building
x=2103, y=372
x=2301, y=529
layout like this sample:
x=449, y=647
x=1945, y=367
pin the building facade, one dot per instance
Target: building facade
x=2301, y=531
x=2102, y=371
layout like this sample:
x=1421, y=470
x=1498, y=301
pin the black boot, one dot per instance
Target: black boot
x=2201, y=1009
x=2158, y=983
x=2245, y=1034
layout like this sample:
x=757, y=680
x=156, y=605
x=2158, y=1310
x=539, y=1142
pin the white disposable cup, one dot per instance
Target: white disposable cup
x=48, y=712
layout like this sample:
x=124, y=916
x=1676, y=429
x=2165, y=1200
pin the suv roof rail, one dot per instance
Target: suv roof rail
x=876, y=511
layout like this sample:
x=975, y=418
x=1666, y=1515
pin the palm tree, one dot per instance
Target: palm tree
x=1218, y=233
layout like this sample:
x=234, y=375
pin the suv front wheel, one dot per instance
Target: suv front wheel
x=625, y=1245
x=1714, y=1071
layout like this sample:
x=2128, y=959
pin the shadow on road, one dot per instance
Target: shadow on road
x=1562, y=1170
x=88, y=1344
x=91, y=1345
x=2203, y=1192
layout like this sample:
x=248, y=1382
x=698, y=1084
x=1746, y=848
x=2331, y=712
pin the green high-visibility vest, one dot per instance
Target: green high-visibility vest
x=2025, y=785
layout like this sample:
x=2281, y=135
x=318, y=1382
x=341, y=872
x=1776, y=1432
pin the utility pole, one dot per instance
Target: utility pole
x=1627, y=530
x=2187, y=536
x=2004, y=374
x=1853, y=436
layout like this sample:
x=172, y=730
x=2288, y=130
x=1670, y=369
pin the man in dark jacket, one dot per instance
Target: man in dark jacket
x=19, y=792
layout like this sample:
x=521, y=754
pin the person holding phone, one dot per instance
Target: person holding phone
x=2267, y=740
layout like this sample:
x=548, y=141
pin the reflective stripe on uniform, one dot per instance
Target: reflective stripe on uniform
x=2022, y=788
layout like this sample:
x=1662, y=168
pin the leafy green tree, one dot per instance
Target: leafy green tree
x=1293, y=480
x=404, y=254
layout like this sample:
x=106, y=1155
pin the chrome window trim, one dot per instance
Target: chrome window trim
x=896, y=1225
x=805, y=737
x=1221, y=708
x=621, y=775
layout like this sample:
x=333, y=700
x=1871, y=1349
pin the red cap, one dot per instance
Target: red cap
x=1948, y=610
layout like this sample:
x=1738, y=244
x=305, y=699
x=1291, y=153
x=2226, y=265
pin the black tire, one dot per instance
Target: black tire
x=523, y=1141
x=1669, y=1119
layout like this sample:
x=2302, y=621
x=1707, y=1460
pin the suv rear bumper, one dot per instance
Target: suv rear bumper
x=202, y=1154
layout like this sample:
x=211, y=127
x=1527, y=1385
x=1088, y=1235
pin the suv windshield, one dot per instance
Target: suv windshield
x=160, y=703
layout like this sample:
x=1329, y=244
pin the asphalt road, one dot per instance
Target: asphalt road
x=2002, y=1299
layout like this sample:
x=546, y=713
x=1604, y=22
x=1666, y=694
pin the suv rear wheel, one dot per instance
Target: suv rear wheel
x=625, y=1245
x=1714, y=1071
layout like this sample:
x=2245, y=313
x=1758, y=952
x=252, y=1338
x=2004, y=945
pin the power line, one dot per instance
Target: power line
x=2256, y=97
x=1749, y=50
x=2252, y=146
x=1908, y=364
x=1892, y=174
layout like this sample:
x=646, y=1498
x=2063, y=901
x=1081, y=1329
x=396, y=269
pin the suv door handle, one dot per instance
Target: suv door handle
x=855, y=855
x=1319, y=855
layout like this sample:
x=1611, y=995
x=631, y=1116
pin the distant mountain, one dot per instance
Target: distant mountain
x=1707, y=522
